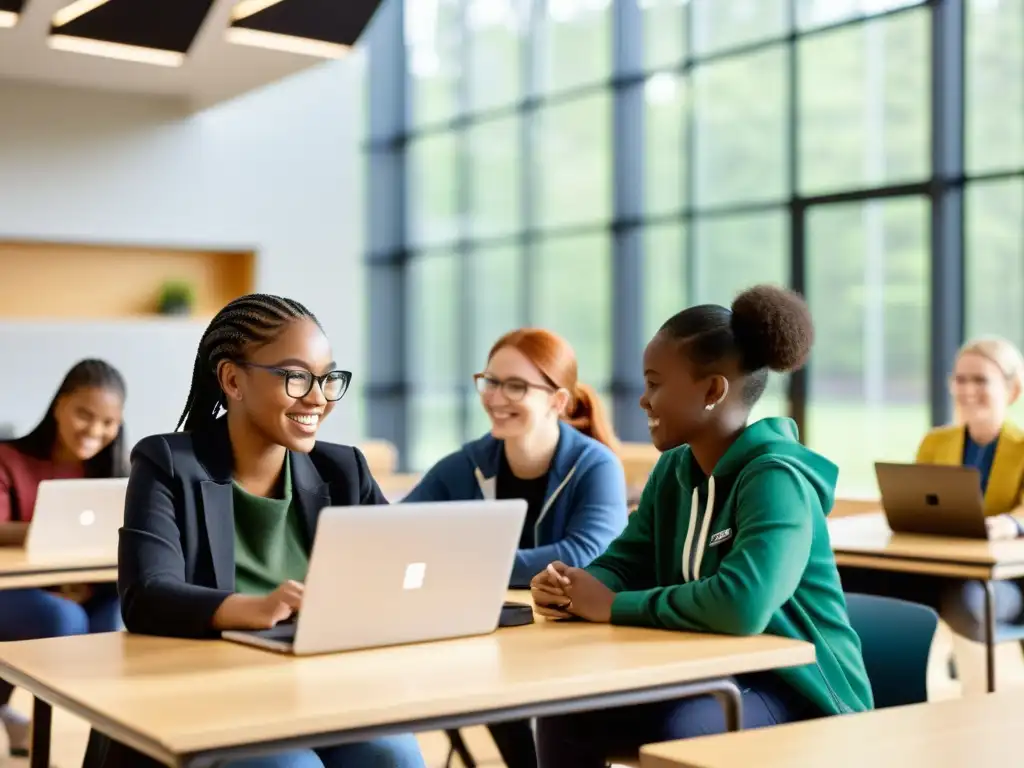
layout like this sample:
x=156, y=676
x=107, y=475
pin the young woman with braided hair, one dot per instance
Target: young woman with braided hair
x=219, y=517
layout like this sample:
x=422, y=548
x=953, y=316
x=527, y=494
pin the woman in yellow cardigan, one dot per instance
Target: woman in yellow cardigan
x=987, y=379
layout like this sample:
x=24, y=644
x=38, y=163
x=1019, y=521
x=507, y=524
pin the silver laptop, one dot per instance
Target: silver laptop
x=932, y=499
x=405, y=573
x=77, y=518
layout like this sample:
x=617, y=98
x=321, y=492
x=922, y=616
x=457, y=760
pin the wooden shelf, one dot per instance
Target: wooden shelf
x=69, y=281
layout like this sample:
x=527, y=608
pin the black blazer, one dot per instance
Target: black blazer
x=176, y=557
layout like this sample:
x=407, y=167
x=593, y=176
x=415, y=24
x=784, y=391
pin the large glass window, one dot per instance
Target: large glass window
x=776, y=141
x=822, y=13
x=496, y=30
x=720, y=24
x=433, y=192
x=995, y=85
x=665, y=148
x=573, y=164
x=572, y=288
x=664, y=32
x=434, y=319
x=496, y=299
x=995, y=259
x=433, y=38
x=740, y=106
x=868, y=288
x=666, y=290
x=495, y=164
x=575, y=43
x=864, y=104
x=737, y=251
x=434, y=428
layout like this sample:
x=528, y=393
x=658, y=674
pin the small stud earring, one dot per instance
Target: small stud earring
x=709, y=407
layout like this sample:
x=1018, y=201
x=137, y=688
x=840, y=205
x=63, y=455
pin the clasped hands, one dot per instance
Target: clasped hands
x=561, y=592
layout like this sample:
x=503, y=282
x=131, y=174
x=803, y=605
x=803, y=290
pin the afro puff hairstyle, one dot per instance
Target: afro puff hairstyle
x=768, y=328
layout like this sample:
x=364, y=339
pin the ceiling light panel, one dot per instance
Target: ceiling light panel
x=10, y=11
x=324, y=28
x=159, y=25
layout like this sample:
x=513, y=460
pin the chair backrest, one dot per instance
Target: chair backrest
x=381, y=457
x=896, y=638
x=638, y=459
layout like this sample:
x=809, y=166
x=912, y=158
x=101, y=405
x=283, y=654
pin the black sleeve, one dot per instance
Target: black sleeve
x=155, y=598
x=369, y=491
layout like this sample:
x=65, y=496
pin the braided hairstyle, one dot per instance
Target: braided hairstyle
x=85, y=374
x=767, y=328
x=250, y=320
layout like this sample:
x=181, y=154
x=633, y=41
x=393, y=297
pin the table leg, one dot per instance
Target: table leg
x=42, y=716
x=731, y=700
x=990, y=635
x=458, y=746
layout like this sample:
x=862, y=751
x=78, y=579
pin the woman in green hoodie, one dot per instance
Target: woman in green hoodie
x=730, y=536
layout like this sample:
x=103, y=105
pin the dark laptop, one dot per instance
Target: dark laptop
x=932, y=499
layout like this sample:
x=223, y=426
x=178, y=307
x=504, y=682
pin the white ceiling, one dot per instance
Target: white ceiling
x=214, y=70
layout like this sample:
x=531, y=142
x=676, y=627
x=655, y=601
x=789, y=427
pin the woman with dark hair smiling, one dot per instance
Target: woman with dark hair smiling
x=730, y=535
x=80, y=436
x=220, y=517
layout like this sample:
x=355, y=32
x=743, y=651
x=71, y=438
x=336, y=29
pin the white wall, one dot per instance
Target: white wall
x=277, y=171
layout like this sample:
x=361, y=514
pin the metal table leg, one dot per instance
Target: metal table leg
x=731, y=700
x=458, y=747
x=990, y=635
x=42, y=717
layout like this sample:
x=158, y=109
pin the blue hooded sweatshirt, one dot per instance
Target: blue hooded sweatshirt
x=584, y=506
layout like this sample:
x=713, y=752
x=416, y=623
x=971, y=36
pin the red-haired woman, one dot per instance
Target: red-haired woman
x=551, y=444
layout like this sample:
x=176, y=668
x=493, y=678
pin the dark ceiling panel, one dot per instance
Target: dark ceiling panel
x=332, y=21
x=14, y=6
x=166, y=25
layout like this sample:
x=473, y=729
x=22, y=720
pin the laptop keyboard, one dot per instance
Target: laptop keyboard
x=282, y=633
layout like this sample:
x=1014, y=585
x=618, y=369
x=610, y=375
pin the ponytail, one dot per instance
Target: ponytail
x=588, y=415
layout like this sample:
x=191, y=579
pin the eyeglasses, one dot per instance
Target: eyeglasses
x=298, y=384
x=513, y=389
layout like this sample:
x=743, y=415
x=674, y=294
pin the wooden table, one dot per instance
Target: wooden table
x=865, y=541
x=195, y=703
x=19, y=571
x=978, y=731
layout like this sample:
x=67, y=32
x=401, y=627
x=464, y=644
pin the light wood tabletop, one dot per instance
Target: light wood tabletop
x=18, y=570
x=866, y=541
x=182, y=702
x=977, y=731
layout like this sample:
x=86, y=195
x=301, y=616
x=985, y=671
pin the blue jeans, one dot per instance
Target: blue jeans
x=388, y=752
x=30, y=614
x=588, y=739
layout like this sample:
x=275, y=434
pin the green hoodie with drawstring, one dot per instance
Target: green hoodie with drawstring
x=743, y=552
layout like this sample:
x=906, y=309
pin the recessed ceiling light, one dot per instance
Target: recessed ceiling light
x=74, y=10
x=259, y=39
x=119, y=51
x=246, y=8
x=8, y=18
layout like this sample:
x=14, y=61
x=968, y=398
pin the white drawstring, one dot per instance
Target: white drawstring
x=709, y=511
x=694, y=500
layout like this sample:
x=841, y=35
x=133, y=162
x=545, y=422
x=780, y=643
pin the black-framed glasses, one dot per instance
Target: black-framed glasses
x=298, y=384
x=513, y=389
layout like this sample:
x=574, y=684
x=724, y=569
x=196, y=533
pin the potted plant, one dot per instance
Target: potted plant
x=176, y=298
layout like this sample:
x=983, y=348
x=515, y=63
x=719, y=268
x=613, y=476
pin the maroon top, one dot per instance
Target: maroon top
x=20, y=476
